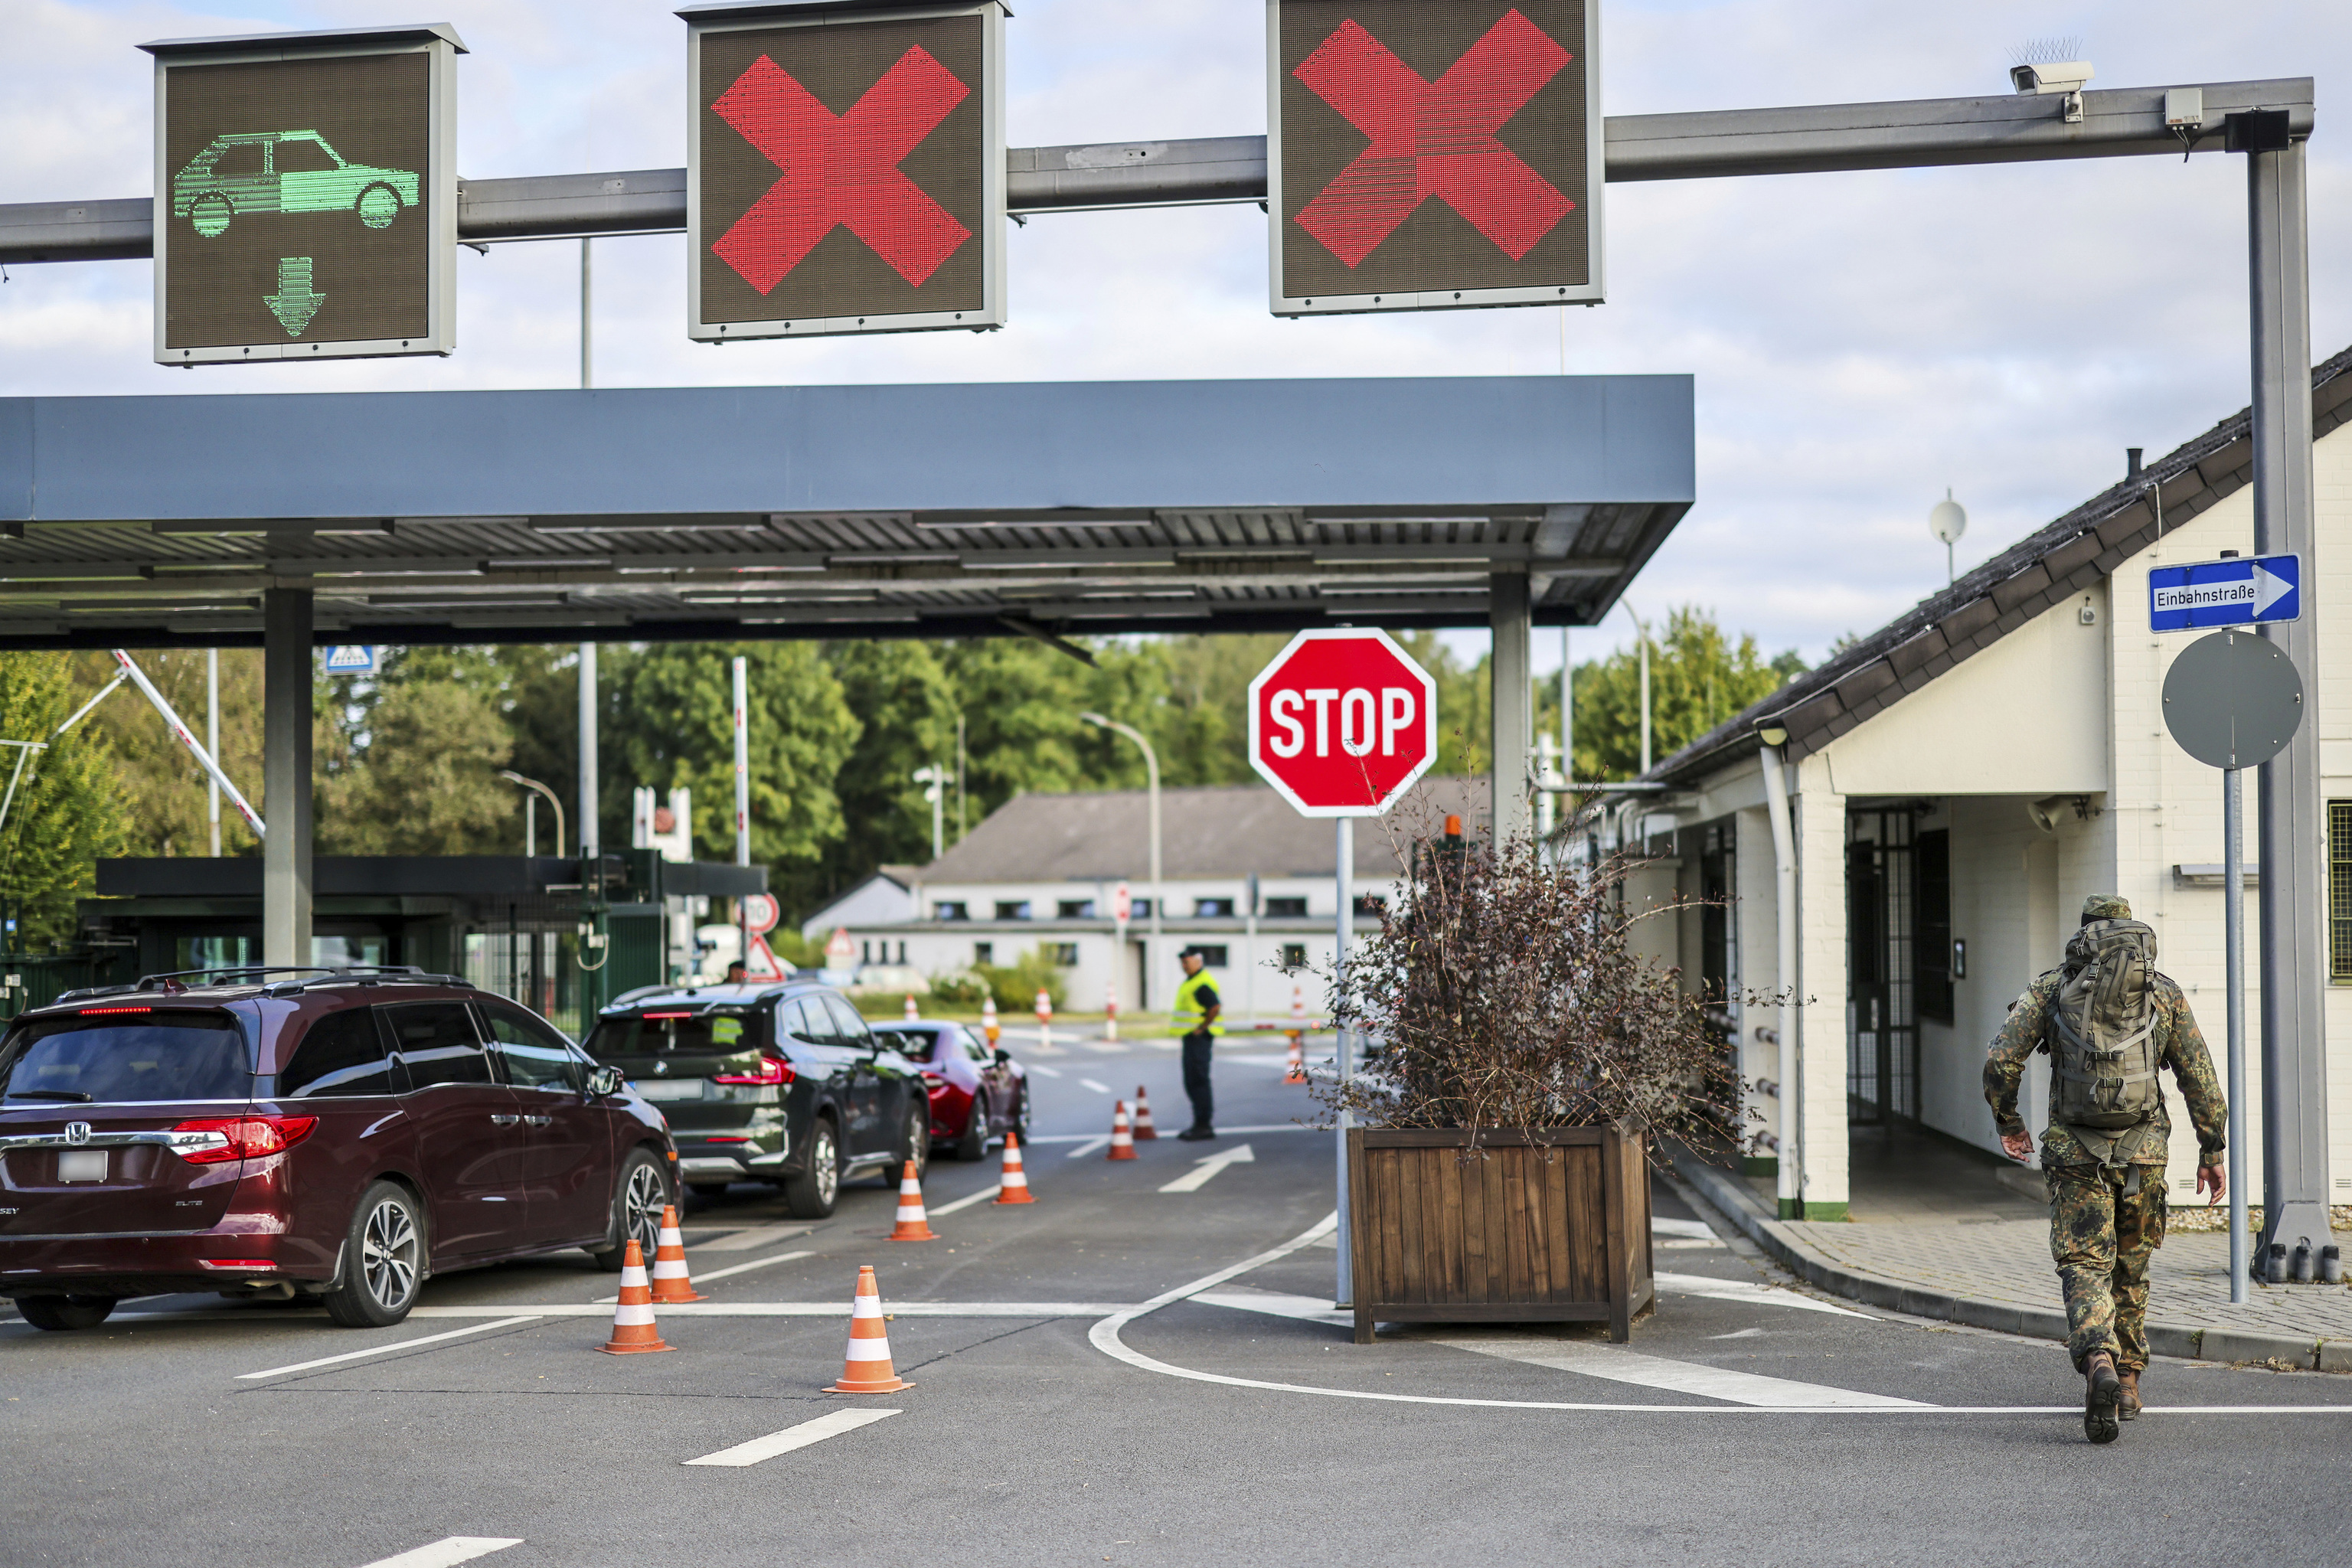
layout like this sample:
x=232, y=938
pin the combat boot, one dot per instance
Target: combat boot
x=2127, y=1409
x=2101, y=1391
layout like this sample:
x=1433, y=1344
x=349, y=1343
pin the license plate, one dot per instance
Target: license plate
x=691, y=1089
x=81, y=1165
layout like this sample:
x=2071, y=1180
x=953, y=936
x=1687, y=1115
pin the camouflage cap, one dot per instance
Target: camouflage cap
x=2106, y=906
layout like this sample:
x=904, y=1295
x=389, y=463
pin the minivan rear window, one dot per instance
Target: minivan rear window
x=659, y=1032
x=109, y=1057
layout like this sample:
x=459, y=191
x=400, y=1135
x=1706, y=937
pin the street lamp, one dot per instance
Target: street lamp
x=1152, y=772
x=531, y=812
x=935, y=780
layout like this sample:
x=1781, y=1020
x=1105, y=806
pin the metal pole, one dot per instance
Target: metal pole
x=1566, y=705
x=1343, y=860
x=1788, y=1184
x=286, y=686
x=1513, y=699
x=743, y=801
x=2291, y=847
x=1642, y=634
x=2233, y=927
x=587, y=379
x=212, y=742
x=529, y=826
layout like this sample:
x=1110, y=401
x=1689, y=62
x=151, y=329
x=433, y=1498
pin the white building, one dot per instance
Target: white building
x=1039, y=872
x=1962, y=779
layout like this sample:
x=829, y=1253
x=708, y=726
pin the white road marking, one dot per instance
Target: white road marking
x=1089, y=1146
x=1098, y=1087
x=1619, y=1364
x=1689, y=1229
x=981, y=1196
x=1305, y=1309
x=837, y=1308
x=1679, y=1244
x=745, y=1240
x=721, y=1273
x=507, y=1322
x=1739, y=1334
x=1755, y=1295
x=1107, y=1048
x=829, y=1425
x=447, y=1554
x=1042, y=1068
x=1097, y=1138
x=1193, y=1180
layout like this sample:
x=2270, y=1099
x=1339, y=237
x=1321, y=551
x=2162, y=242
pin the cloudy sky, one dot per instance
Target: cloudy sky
x=1860, y=341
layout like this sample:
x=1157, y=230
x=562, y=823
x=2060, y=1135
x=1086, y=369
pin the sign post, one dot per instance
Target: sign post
x=2232, y=701
x=1341, y=724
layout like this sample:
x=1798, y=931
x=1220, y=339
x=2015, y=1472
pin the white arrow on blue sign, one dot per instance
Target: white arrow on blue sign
x=2245, y=590
x=351, y=660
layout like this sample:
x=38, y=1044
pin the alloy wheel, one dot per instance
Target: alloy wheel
x=388, y=1253
x=824, y=1163
x=641, y=1209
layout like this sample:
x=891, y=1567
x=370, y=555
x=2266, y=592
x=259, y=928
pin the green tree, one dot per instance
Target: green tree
x=1698, y=678
x=67, y=812
x=407, y=765
x=908, y=710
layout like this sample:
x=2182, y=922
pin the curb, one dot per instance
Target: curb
x=2214, y=1342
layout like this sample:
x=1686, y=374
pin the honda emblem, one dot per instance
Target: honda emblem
x=76, y=1132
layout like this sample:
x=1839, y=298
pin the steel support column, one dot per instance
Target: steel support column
x=286, y=675
x=1514, y=701
x=2294, y=857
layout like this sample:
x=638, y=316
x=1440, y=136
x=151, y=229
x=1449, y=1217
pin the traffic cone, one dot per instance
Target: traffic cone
x=1143, y=1128
x=1015, y=1189
x=1122, y=1144
x=988, y=1020
x=1297, y=1073
x=867, y=1368
x=1110, y=1011
x=913, y=1013
x=671, y=1282
x=633, y=1333
x=911, y=1226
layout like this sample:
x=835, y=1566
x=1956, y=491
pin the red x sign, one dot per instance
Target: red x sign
x=1433, y=139
x=841, y=169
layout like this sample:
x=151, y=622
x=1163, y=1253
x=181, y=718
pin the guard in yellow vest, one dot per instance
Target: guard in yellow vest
x=1196, y=1012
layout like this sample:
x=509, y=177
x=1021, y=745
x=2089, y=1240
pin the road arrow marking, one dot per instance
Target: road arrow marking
x=294, y=303
x=2269, y=588
x=1198, y=1177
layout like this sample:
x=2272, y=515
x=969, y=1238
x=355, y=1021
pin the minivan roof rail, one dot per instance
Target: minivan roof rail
x=316, y=973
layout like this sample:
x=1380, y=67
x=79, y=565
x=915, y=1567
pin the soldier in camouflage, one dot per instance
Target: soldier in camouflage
x=2106, y=1189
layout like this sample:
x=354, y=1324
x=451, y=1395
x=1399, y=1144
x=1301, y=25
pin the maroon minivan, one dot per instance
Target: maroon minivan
x=335, y=1134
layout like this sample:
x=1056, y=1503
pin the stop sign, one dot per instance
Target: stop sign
x=1342, y=722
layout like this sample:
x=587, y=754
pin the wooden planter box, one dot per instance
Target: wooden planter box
x=1550, y=1225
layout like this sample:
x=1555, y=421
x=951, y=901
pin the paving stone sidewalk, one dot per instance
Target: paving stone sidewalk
x=1986, y=1262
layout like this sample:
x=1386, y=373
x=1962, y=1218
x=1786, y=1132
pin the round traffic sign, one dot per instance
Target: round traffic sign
x=2233, y=700
x=1342, y=722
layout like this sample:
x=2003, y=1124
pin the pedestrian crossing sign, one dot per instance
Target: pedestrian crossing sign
x=351, y=660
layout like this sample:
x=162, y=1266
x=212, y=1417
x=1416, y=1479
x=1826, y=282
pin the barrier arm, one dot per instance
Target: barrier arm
x=236, y=796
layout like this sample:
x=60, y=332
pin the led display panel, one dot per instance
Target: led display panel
x=1433, y=154
x=306, y=195
x=845, y=168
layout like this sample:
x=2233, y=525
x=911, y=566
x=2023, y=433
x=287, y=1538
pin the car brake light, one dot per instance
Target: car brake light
x=726, y=1139
x=94, y=1012
x=215, y=1141
x=772, y=1069
x=665, y=1015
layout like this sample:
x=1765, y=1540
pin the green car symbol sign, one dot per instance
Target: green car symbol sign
x=284, y=172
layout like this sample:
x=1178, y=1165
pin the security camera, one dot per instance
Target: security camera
x=2051, y=77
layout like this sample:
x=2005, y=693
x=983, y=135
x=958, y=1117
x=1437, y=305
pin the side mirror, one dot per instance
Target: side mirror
x=1003, y=1057
x=604, y=1081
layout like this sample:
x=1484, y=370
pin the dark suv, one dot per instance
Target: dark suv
x=773, y=1083
x=336, y=1134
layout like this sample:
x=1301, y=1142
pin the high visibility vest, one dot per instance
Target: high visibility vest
x=1188, y=1010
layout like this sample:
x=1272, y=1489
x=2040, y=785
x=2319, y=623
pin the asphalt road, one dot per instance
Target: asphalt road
x=1052, y=1429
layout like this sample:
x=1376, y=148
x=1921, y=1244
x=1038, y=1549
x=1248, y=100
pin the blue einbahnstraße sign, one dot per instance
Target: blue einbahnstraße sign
x=2240, y=591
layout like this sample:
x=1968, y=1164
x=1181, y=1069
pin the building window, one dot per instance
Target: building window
x=1212, y=909
x=1933, y=961
x=1285, y=910
x=1065, y=955
x=1006, y=909
x=1371, y=906
x=2339, y=891
x=1211, y=957
x=1074, y=910
x=1139, y=908
x=983, y=952
x=956, y=911
x=1294, y=955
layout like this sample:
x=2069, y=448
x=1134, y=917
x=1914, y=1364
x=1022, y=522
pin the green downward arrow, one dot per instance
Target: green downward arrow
x=294, y=304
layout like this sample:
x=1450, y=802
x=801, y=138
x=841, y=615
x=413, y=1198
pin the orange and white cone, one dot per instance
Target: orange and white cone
x=1297, y=1072
x=634, y=1331
x=911, y=1226
x=1015, y=1189
x=1143, y=1128
x=1122, y=1143
x=913, y=1013
x=671, y=1282
x=867, y=1368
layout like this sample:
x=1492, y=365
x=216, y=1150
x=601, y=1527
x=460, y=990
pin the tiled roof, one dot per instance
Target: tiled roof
x=2064, y=558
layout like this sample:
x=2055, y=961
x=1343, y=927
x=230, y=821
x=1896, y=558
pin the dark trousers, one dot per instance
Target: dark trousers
x=1196, y=1078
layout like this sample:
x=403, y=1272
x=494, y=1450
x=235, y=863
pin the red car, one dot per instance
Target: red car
x=335, y=1135
x=963, y=1076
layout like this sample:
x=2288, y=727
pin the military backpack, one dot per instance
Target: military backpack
x=2102, y=1033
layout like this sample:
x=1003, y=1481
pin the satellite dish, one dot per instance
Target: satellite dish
x=1948, y=520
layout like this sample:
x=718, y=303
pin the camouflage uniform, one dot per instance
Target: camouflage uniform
x=2106, y=1190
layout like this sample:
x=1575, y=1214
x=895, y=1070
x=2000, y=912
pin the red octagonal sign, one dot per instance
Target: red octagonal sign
x=1342, y=722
